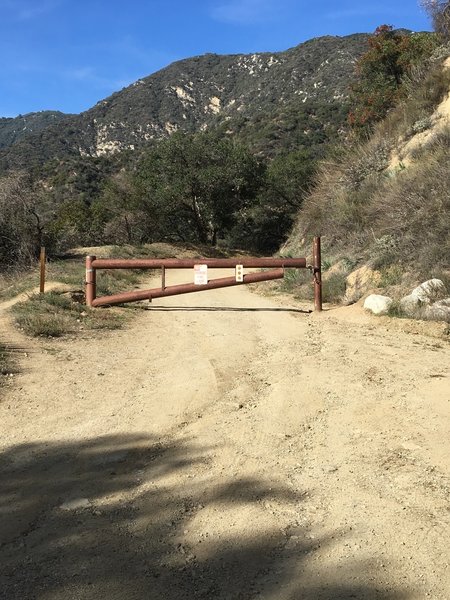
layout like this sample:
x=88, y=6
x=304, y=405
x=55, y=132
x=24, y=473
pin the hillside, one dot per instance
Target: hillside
x=273, y=100
x=383, y=206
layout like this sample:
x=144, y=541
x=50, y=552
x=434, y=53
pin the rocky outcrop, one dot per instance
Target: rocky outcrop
x=423, y=295
x=427, y=301
x=360, y=282
x=439, y=311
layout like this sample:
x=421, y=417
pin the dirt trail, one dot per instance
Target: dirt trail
x=227, y=447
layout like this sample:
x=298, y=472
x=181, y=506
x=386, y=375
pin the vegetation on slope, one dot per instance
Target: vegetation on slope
x=385, y=202
x=283, y=108
x=12, y=130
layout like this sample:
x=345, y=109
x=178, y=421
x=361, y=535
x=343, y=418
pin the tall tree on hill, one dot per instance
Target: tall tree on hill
x=382, y=71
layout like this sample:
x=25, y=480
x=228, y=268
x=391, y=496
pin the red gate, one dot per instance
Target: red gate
x=278, y=266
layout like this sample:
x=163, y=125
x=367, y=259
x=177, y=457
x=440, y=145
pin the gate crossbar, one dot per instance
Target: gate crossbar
x=189, y=263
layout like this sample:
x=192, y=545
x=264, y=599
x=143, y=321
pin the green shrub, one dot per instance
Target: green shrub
x=333, y=288
x=391, y=57
x=391, y=275
x=291, y=279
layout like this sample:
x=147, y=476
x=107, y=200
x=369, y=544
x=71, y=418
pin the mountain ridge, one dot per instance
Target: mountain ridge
x=197, y=93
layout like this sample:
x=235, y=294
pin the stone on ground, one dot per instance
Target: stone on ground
x=378, y=305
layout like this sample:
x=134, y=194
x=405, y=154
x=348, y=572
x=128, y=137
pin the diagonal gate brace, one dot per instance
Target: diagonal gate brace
x=186, y=288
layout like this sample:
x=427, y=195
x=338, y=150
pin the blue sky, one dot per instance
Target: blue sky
x=69, y=54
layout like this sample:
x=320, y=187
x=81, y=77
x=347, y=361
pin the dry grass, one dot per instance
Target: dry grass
x=54, y=315
x=5, y=360
x=413, y=211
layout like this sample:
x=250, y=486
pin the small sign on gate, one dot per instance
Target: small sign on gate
x=200, y=274
x=239, y=274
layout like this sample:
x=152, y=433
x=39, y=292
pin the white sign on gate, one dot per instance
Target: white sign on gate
x=200, y=274
x=239, y=274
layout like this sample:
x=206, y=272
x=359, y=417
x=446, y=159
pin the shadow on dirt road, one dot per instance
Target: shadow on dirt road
x=105, y=519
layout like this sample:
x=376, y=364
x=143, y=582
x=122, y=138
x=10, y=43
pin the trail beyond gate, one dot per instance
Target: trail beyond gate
x=201, y=281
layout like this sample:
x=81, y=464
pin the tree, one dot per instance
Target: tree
x=24, y=220
x=382, y=70
x=116, y=217
x=289, y=177
x=193, y=186
x=270, y=219
x=439, y=12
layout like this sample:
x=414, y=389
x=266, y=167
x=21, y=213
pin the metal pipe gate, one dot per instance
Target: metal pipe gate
x=277, y=264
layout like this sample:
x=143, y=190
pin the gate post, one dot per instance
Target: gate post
x=91, y=280
x=42, y=270
x=317, y=270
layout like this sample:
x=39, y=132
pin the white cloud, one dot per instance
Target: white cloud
x=129, y=47
x=368, y=10
x=25, y=10
x=246, y=12
x=88, y=75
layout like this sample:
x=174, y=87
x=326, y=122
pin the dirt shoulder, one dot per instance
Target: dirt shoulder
x=227, y=445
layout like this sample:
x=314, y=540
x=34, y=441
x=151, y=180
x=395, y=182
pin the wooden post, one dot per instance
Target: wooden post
x=42, y=271
x=317, y=269
x=90, y=281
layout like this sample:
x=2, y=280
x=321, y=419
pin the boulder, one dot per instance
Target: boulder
x=438, y=311
x=430, y=291
x=423, y=295
x=378, y=305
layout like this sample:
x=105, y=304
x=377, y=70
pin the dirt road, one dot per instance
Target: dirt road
x=227, y=447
